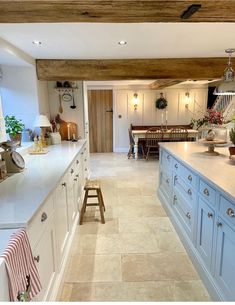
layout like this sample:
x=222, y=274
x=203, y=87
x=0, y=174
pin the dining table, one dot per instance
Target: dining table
x=140, y=134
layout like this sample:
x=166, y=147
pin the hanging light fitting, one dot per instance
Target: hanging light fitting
x=227, y=86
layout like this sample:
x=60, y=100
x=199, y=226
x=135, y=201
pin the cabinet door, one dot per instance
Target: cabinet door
x=72, y=206
x=61, y=214
x=225, y=260
x=205, y=232
x=44, y=255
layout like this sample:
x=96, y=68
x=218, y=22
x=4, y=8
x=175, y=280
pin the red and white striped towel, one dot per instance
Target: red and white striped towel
x=20, y=264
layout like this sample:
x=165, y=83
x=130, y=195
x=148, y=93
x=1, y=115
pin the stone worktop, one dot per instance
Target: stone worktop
x=22, y=194
x=219, y=170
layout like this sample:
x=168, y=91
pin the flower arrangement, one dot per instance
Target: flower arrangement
x=211, y=117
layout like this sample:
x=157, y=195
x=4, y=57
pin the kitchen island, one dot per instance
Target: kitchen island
x=198, y=192
x=46, y=199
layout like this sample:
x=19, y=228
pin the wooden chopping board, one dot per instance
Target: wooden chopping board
x=64, y=130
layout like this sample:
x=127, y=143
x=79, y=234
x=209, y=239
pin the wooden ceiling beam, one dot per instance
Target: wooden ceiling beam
x=164, y=83
x=127, y=69
x=128, y=11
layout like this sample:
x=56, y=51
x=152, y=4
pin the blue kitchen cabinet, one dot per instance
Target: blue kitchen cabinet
x=205, y=232
x=225, y=260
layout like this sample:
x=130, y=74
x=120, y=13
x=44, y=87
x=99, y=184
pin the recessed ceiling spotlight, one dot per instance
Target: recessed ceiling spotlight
x=122, y=42
x=37, y=42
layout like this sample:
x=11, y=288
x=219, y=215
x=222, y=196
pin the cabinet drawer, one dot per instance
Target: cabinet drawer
x=207, y=192
x=227, y=210
x=166, y=160
x=184, y=212
x=188, y=193
x=185, y=173
x=40, y=221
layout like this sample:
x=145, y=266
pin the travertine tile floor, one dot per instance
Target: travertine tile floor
x=136, y=255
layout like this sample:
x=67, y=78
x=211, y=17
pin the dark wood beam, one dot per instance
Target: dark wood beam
x=22, y=11
x=126, y=69
x=164, y=83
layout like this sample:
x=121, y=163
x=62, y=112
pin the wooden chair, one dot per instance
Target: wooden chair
x=132, y=144
x=178, y=135
x=153, y=136
x=93, y=185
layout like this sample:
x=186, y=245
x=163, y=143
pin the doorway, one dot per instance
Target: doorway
x=100, y=112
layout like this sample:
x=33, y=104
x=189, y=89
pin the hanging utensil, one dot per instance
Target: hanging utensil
x=60, y=104
x=73, y=106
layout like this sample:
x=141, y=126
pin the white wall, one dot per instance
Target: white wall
x=147, y=114
x=68, y=115
x=20, y=93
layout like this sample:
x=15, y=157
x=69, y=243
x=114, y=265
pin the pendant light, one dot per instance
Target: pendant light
x=227, y=86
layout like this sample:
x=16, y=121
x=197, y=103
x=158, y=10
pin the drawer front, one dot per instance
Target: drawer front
x=207, y=192
x=227, y=210
x=166, y=184
x=166, y=160
x=188, y=193
x=40, y=221
x=185, y=173
x=184, y=212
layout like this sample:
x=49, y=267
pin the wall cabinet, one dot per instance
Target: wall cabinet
x=205, y=219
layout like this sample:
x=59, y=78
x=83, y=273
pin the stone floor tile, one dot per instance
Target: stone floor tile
x=187, y=291
x=94, y=268
x=111, y=226
x=157, y=267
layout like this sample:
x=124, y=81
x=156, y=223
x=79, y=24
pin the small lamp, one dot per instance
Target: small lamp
x=135, y=101
x=187, y=99
x=42, y=122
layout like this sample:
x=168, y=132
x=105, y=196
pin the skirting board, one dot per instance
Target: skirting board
x=192, y=252
x=121, y=150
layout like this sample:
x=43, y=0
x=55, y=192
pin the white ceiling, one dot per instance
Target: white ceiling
x=99, y=40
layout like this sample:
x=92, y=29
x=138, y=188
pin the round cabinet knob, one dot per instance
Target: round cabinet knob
x=230, y=212
x=190, y=178
x=176, y=178
x=189, y=192
x=168, y=157
x=72, y=171
x=188, y=215
x=219, y=224
x=176, y=166
x=206, y=192
x=175, y=198
x=75, y=179
x=37, y=258
x=77, y=162
x=167, y=180
x=77, y=175
x=63, y=184
x=84, y=159
x=43, y=217
x=210, y=215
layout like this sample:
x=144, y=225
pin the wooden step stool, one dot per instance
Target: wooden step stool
x=93, y=185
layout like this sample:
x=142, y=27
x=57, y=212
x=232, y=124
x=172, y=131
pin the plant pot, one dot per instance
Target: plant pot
x=231, y=150
x=17, y=137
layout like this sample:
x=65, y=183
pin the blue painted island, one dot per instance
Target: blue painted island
x=198, y=193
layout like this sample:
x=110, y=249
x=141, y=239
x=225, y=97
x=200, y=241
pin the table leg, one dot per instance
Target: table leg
x=136, y=148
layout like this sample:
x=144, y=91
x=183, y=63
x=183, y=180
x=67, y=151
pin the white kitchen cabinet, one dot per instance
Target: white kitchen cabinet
x=71, y=200
x=44, y=256
x=61, y=219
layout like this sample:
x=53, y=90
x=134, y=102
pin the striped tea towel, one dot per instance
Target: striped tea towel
x=22, y=273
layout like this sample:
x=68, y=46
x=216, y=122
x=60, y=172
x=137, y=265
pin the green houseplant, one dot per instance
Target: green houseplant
x=14, y=127
x=232, y=138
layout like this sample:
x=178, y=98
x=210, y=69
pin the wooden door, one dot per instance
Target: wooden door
x=100, y=110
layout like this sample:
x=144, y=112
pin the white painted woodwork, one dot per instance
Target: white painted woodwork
x=147, y=114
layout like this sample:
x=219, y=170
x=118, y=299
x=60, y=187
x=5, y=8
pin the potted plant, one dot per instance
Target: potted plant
x=232, y=138
x=14, y=128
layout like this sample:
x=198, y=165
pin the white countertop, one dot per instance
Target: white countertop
x=219, y=170
x=22, y=194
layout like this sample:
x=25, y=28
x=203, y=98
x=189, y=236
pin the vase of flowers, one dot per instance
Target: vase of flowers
x=210, y=122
